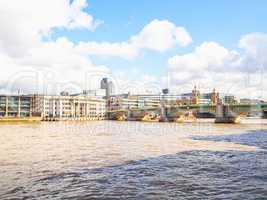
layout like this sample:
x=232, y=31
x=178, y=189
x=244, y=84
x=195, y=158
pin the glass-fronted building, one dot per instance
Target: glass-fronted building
x=15, y=106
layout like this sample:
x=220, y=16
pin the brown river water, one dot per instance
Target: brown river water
x=122, y=160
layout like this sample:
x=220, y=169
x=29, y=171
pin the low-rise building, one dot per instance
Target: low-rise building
x=251, y=101
x=16, y=106
x=57, y=106
x=229, y=99
x=197, y=98
x=127, y=101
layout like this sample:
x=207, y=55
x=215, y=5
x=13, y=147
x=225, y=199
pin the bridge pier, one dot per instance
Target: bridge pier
x=264, y=114
x=163, y=114
x=225, y=115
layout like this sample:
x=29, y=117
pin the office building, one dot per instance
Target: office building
x=108, y=86
x=127, y=101
x=251, y=101
x=66, y=107
x=16, y=106
x=229, y=99
x=197, y=98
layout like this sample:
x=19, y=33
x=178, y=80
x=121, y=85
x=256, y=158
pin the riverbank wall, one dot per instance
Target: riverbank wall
x=20, y=119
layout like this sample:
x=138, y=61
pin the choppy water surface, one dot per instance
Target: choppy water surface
x=121, y=160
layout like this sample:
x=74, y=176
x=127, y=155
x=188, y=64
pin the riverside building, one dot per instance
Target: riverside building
x=229, y=99
x=197, y=98
x=16, y=106
x=69, y=107
x=127, y=101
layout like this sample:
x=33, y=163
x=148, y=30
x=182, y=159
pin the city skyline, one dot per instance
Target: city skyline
x=177, y=45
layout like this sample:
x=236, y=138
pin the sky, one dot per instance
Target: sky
x=48, y=46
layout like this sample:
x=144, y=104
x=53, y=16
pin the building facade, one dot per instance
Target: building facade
x=108, y=86
x=56, y=106
x=127, y=101
x=197, y=98
x=229, y=99
x=16, y=106
x=247, y=101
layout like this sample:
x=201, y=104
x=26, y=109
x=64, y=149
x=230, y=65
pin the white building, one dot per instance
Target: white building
x=56, y=106
x=127, y=101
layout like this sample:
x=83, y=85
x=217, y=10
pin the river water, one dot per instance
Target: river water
x=123, y=160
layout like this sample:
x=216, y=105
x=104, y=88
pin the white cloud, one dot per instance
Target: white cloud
x=135, y=83
x=161, y=35
x=80, y=19
x=207, y=56
x=50, y=67
x=24, y=23
x=158, y=35
x=211, y=65
x=123, y=49
x=255, y=46
x=29, y=62
x=254, y=43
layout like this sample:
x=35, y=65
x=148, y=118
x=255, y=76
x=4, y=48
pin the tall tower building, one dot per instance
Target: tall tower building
x=195, y=96
x=215, y=97
x=108, y=86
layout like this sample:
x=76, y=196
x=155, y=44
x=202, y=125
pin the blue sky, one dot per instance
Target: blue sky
x=221, y=21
